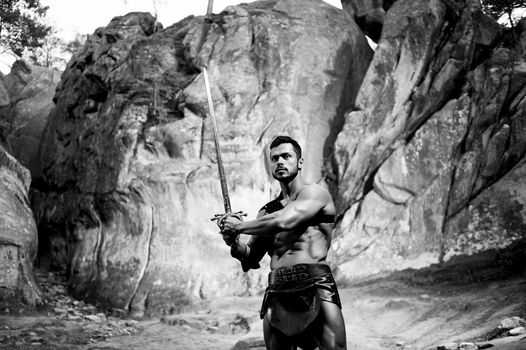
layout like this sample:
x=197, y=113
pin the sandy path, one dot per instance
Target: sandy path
x=380, y=315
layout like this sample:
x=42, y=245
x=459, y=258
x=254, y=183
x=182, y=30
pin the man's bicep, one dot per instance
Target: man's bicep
x=309, y=203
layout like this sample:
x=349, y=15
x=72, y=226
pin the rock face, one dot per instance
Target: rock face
x=31, y=89
x=18, y=234
x=128, y=167
x=430, y=165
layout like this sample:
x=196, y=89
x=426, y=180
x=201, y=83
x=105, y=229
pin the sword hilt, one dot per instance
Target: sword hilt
x=238, y=215
x=230, y=239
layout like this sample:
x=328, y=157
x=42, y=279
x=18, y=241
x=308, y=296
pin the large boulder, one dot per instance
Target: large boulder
x=30, y=90
x=18, y=235
x=129, y=179
x=441, y=118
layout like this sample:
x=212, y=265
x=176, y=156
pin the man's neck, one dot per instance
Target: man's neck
x=291, y=188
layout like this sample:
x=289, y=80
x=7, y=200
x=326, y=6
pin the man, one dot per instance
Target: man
x=301, y=306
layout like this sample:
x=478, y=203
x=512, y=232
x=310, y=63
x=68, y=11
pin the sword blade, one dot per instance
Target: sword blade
x=210, y=7
x=220, y=168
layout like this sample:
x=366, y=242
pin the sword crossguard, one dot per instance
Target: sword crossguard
x=220, y=217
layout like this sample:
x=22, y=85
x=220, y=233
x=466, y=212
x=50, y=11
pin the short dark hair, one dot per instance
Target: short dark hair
x=286, y=139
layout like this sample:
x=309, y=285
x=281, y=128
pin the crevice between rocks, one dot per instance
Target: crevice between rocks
x=146, y=265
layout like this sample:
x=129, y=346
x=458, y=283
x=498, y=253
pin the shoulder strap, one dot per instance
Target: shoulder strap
x=273, y=206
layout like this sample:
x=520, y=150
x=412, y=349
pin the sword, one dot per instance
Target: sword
x=220, y=168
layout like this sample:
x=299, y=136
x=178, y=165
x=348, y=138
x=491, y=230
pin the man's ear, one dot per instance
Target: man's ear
x=300, y=163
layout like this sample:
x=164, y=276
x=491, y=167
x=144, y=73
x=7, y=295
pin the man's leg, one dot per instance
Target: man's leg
x=274, y=339
x=329, y=327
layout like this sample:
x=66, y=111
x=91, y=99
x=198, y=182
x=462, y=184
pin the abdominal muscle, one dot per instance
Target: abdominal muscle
x=310, y=248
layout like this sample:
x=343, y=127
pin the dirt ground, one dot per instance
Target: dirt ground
x=382, y=314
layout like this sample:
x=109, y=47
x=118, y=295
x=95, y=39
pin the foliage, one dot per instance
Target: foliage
x=21, y=25
x=500, y=8
x=55, y=52
x=51, y=54
x=75, y=44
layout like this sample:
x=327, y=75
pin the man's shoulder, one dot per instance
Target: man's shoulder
x=314, y=189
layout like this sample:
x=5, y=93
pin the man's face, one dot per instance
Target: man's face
x=284, y=162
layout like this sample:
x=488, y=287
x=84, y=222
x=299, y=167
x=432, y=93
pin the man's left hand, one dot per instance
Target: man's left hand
x=229, y=225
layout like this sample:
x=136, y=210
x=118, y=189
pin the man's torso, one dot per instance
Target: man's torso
x=307, y=244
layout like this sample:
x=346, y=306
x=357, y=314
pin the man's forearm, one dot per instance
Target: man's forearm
x=249, y=258
x=266, y=225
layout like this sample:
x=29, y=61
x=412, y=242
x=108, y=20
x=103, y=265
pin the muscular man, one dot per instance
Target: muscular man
x=301, y=306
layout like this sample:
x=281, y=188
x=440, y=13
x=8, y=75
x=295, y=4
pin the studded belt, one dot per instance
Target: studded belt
x=299, y=272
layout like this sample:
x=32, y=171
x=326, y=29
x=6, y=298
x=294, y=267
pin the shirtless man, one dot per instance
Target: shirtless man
x=301, y=306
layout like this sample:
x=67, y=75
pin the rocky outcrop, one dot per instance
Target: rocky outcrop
x=18, y=235
x=30, y=92
x=430, y=164
x=128, y=168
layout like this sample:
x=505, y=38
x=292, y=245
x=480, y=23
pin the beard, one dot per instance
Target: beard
x=286, y=176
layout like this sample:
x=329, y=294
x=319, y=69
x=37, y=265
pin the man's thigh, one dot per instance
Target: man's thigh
x=329, y=327
x=327, y=331
x=274, y=338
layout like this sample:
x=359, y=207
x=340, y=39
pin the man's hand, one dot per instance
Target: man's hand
x=228, y=227
x=227, y=224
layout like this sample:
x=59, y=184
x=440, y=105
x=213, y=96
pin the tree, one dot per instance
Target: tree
x=21, y=26
x=76, y=43
x=499, y=8
x=52, y=53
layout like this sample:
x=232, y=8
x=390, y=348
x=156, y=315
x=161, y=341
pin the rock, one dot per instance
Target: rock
x=18, y=234
x=253, y=343
x=512, y=322
x=4, y=94
x=181, y=320
x=129, y=171
x=60, y=311
x=469, y=231
x=448, y=346
x=131, y=323
x=94, y=318
x=31, y=89
x=467, y=346
x=485, y=345
x=426, y=171
x=398, y=304
x=239, y=324
x=378, y=100
x=517, y=331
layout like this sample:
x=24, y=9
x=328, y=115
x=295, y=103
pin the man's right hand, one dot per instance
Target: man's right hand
x=230, y=238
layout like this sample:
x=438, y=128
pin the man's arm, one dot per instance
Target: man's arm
x=309, y=202
x=251, y=253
